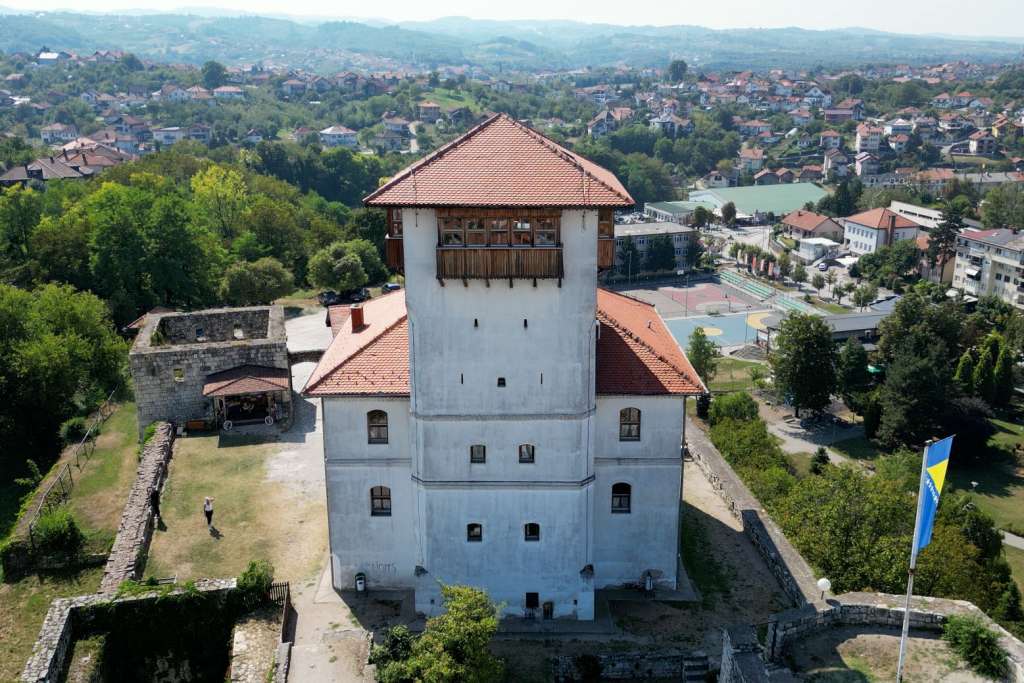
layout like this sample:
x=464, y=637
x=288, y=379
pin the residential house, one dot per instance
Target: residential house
x=941, y=271
x=170, y=93
x=229, y=92
x=865, y=164
x=751, y=159
x=869, y=231
x=983, y=143
x=830, y=139
x=869, y=138
x=671, y=125
x=898, y=143
x=58, y=133
x=991, y=263
x=428, y=111
x=810, y=173
x=515, y=473
x=803, y=224
x=169, y=135
x=836, y=163
x=898, y=126
x=339, y=136
x=853, y=105
x=766, y=177
x=712, y=180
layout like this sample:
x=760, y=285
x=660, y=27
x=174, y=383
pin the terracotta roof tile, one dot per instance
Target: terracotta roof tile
x=502, y=162
x=881, y=219
x=247, y=379
x=636, y=354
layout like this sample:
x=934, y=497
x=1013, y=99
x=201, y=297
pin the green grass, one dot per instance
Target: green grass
x=857, y=448
x=1015, y=558
x=451, y=99
x=733, y=374
x=11, y=497
x=830, y=306
x=801, y=463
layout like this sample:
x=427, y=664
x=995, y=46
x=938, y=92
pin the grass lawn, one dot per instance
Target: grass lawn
x=857, y=448
x=734, y=374
x=830, y=306
x=23, y=605
x=801, y=463
x=254, y=518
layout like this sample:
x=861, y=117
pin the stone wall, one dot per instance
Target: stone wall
x=215, y=325
x=793, y=573
x=688, y=665
x=880, y=609
x=169, y=378
x=136, y=528
x=69, y=618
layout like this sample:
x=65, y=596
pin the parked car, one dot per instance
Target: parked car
x=358, y=295
x=329, y=298
x=391, y=287
x=823, y=266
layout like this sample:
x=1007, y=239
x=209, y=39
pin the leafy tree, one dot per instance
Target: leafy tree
x=852, y=377
x=20, y=211
x=819, y=461
x=983, y=377
x=1002, y=376
x=818, y=282
x=703, y=354
x=1003, y=207
x=214, y=74
x=183, y=262
x=454, y=646
x=735, y=406
x=336, y=267
x=729, y=213
x=258, y=282
x=219, y=197
x=785, y=265
x=800, y=274
x=701, y=217
x=913, y=397
x=830, y=278
x=661, y=254
x=942, y=240
x=677, y=70
x=804, y=361
x=864, y=295
x=629, y=257
x=964, y=375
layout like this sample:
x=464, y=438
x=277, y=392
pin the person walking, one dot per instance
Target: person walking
x=208, y=511
x=154, y=500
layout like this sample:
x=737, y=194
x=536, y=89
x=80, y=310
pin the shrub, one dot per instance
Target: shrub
x=72, y=431
x=148, y=433
x=255, y=581
x=819, y=461
x=738, y=406
x=977, y=645
x=395, y=647
x=56, y=534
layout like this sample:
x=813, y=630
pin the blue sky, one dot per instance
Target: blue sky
x=978, y=18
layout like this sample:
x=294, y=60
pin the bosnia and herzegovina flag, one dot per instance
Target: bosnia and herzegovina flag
x=936, y=461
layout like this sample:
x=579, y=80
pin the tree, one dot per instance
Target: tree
x=819, y=461
x=701, y=217
x=983, y=377
x=818, y=282
x=964, y=375
x=454, y=646
x=804, y=361
x=1003, y=207
x=729, y=213
x=942, y=240
x=214, y=74
x=219, y=197
x=629, y=257
x=800, y=274
x=852, y=377
x=785, y=265
x=864, y=295
x=340, y=267
x=735, y=406
x=830, y=278
x=259, y=282
x=703, y=354
x=1002, y=376
x=676, y=70
x=20, y=211
x=661, y=254
x=913, y=398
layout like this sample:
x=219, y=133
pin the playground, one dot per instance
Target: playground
x=736, y=329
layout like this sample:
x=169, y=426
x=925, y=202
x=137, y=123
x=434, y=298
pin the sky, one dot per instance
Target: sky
x=977, y=18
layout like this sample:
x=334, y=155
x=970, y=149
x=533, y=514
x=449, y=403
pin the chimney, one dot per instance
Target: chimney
x=358, y=322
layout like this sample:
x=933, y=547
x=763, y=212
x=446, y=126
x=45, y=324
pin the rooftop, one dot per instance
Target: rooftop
x=881, y=219
x=655, y=228
x=502, y=162
x=778, y=199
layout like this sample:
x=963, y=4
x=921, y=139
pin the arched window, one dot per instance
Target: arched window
x=474, y=532
x=629, y=424
x=621, y=495
x=526, y=452
x=377, y=426
x=380, y=501
x=531, y=531
x=478, y=453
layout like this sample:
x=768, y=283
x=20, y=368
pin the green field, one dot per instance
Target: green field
x=734, y=374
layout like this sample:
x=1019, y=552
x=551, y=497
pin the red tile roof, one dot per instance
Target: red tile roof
x=502, y=162
x=808, y=221
x=247, y=379
x=636, y=354
x=881, y=219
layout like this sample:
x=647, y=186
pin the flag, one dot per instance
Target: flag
x=936, y=460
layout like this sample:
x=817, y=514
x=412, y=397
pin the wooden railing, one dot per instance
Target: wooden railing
x=499, y=262
x=394, y=252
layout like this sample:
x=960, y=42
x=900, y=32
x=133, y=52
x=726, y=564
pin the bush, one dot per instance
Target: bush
x=395, y=647
x=977, y=645
x=148, y=433
x=738, y=406
x=255, y=581
x=56, y=534
x=73, y=430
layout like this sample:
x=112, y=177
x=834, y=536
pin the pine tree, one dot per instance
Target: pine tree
x=965, y=372
x=1003, y=376
x=982, y=379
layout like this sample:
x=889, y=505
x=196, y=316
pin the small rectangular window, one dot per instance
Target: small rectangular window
x=498, y=232
x=179, y=375
x=532, y=600
x=451, y=232
x=522, y=232
x=526, y=453
x=476, y=233
x=478, y=453
x=501, y=381
x=474, y=533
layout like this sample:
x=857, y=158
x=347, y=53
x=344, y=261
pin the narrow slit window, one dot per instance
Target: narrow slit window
x=478, y=453
x=531, y=531
x=526, y=453
x=474, y=533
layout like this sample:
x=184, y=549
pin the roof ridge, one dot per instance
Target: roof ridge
x=629, y=333
x=399, y=320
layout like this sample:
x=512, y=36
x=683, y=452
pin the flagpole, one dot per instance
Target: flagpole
x=913, y=565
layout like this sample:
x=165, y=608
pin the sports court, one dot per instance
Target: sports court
x=701, y=298
x=734, y=329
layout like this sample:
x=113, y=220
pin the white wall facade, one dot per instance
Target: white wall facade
x=462, y=338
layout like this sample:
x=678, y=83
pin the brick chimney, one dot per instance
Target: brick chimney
x=358, y=322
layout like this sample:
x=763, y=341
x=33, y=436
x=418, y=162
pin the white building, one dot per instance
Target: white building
x=869, y=231
x=990, y=262
x=339, y=136
x=502, y=422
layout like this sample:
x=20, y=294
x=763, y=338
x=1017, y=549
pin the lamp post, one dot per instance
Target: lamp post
x=824, y=585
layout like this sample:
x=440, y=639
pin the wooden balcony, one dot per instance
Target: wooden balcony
x=605, y=253
x=498, y=263
x=394, y=253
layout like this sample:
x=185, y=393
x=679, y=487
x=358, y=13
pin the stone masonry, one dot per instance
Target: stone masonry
x=69, y=618
x=175, y=352
x=136, y=528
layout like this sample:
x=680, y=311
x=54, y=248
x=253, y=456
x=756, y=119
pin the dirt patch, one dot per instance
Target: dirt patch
x=847, y=655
